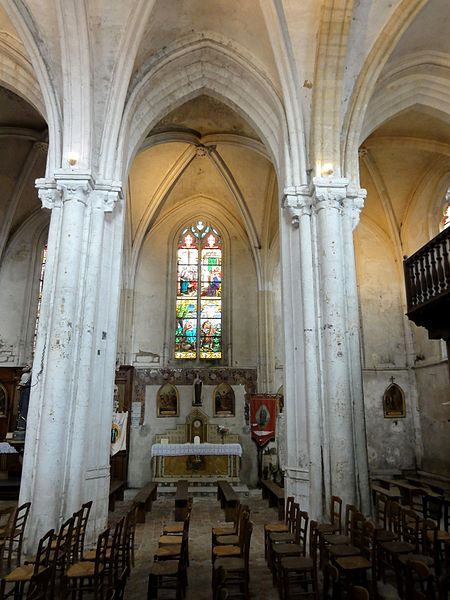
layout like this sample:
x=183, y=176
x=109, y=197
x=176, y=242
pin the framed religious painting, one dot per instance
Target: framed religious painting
x=224, y=401
x=167, y=401
x=394, y=402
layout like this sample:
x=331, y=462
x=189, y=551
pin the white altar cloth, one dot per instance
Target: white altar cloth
x=196, y=449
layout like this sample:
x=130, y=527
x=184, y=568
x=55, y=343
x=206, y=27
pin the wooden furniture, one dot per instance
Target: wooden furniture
x=81, y=518
x=9, y=399
x=229, y=500
x=86, y=575
x=116, y=492
x=279, y=526
x=390, y=493
x=232, y=571
x=169, y=574
x=144, y=500
x=124, y=383
x=12, y=538
x=407, y=491
x=275, y=494
x=21, y=576
x=284, y=549
x=299, y=573
x=181, y=500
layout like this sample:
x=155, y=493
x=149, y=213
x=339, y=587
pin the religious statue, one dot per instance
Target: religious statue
x=24, y=386
x=197, y=386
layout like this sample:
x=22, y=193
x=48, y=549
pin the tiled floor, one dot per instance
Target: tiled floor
x=205, y=514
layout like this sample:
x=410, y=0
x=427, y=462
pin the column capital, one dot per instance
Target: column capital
x=329, y=192
x=354, y=203
x=78, y=187
x=297, y=201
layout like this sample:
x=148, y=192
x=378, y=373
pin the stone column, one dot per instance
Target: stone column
x=302, y=394
x=339, y=324
x=66, y=459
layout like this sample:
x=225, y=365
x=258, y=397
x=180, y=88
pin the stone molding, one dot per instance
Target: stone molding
x=78, y=187
x=325, y=192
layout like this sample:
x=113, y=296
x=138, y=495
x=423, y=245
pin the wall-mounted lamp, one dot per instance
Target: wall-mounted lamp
x=327, y=169
x=72, y=158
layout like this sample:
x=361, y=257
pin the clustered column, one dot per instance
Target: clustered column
x=327, y=381
x=66, y=458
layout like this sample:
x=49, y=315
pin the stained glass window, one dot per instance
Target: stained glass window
x=199, y=293
x=41, y=283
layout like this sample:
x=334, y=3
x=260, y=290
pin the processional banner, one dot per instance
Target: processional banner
x=263, y=416
x=119, y=432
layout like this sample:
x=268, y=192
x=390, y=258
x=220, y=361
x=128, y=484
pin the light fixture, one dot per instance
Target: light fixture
x=72, y=158
x=327, y=169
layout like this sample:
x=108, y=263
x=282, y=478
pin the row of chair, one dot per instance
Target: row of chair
x=62, y=567
x=230, y=553
x=349, y=549
x=171, y=560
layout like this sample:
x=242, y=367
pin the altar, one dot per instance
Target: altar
x=198, y=450
x=202, y=462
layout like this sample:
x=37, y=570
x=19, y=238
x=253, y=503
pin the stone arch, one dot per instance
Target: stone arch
x=16, y=73
x=421, y=80
x=34, y=76
x=203, y=65
x=367, y=82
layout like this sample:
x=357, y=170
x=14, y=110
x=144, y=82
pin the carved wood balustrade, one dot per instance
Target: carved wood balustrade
x=427, y=280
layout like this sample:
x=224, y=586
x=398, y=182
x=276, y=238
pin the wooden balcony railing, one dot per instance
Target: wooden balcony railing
x=427, y=280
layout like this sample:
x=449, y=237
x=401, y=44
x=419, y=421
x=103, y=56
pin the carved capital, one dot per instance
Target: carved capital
x=74, y=191
x=105, y=200
x=297, y=202
x=49, y=196
x=329, y=192
x=354, y=203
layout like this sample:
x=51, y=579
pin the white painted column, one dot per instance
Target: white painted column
x=66, y=459
x=295, y=440
x=336, y=358
x=352, y=206
x=298, y=204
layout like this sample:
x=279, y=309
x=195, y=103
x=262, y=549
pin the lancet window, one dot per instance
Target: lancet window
x=199, y=293
x=41, y=283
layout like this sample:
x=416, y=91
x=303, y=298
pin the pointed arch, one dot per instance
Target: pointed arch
x=26, y=29
x=367, y=82
x=195, y=65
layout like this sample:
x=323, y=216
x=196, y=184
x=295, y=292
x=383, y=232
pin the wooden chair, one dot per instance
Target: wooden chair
x=169, y=546
x=39, y=584
x=331, y=583
x=419, y=580
x=236, y=551
x=127, y=542
x=235, y=569
x=342, y=544
x=434, y=540
x=11, y=542
x=232, y=539
x=112, y=555
x=295, y=548
x=299, y=573
x=335, y=525
x=353, y=548
x=169, y=575
x=353, y=569
x=21, y=576
x=279, y=526
x=283, y=537
x=177, y=528
x=358, y=592
x=86, y=575
x=79, y=531
x=59, y=556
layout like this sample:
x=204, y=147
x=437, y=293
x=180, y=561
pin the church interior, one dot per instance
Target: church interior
x=224, y=230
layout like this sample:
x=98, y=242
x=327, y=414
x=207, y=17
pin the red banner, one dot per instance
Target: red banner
x=263, y=413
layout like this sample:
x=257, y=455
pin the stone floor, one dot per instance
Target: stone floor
x=205, y=514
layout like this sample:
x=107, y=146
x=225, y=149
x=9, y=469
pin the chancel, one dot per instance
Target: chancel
x=204, y=203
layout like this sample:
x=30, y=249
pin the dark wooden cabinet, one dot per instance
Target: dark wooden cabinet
x=124, y=382
x=9, y=398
